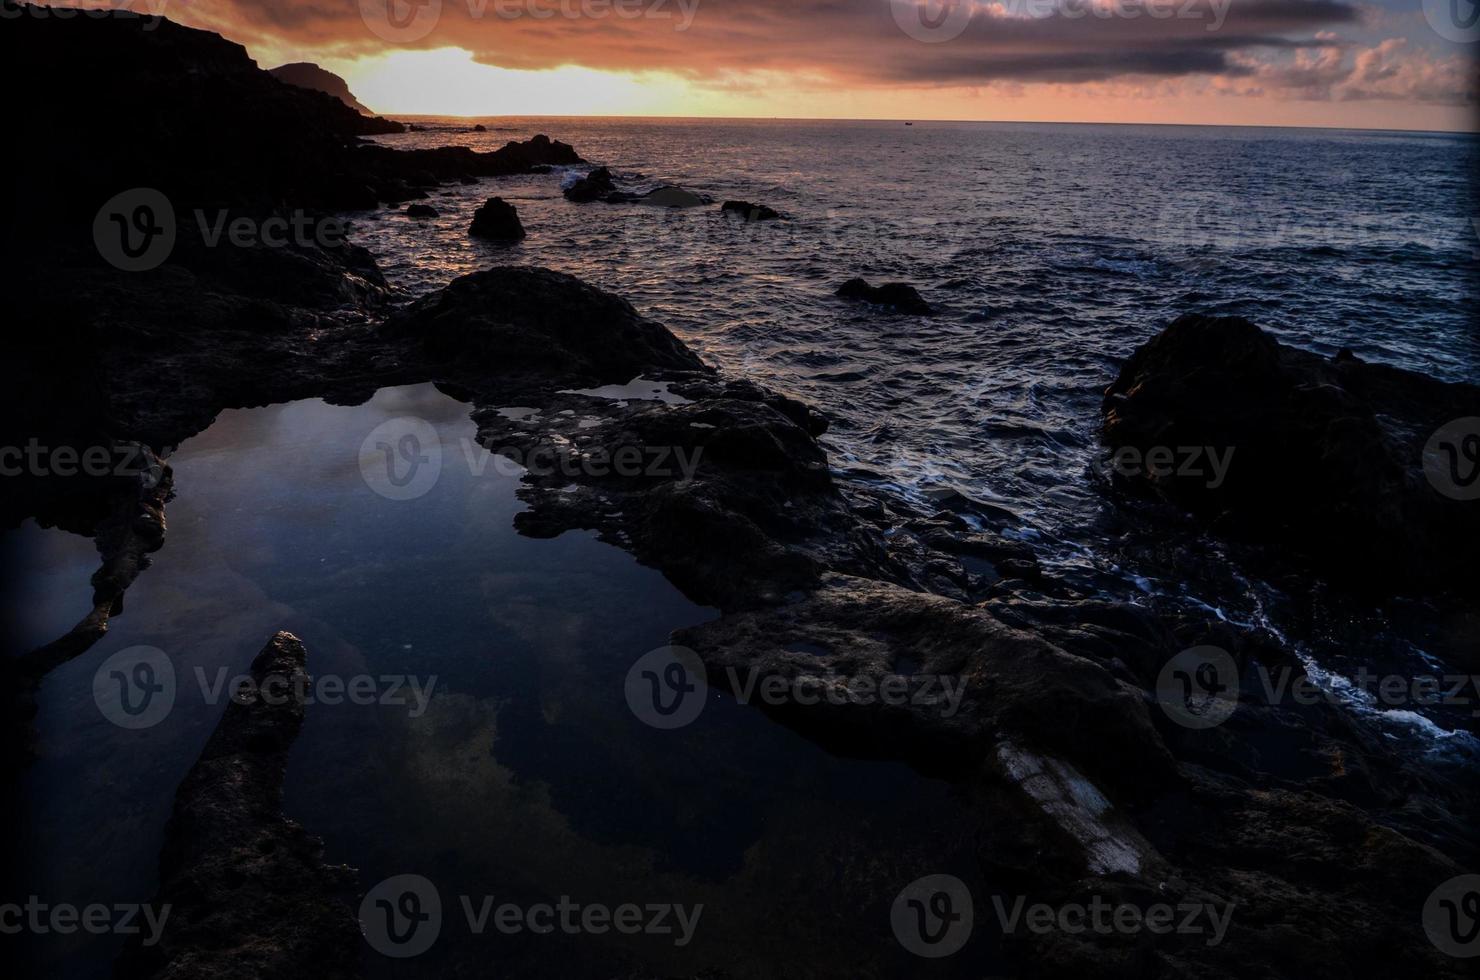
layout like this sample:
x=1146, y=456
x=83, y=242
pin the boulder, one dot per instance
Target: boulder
x=498, y=220
x=1322, y=456
x=421, y=211
x=903, y=298
x=518, y=318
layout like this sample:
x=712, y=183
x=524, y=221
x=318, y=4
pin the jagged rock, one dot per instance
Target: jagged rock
x=903, y=298
x=595, y=185
x=247, y=889
x=497, y=219
x=518, y=318
x=1322, y=456
x=310, y=76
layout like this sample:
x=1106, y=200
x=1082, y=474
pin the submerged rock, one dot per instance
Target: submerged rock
x=750, y=212
x=247, y=890
x=669, y=196
x=1322, y=456
x=497, y=219
x=903, y=298
x=422, y=211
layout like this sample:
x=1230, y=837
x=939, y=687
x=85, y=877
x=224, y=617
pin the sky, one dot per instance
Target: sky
x=1399, y=64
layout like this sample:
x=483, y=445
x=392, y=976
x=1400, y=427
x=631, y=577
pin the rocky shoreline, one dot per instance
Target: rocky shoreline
x=1323, y=838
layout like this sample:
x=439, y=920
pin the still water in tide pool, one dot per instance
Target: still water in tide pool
x=523, y=776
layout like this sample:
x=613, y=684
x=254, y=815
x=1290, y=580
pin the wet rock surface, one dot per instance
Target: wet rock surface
x=246, y=888
x=496, y=219
x=1325, y=456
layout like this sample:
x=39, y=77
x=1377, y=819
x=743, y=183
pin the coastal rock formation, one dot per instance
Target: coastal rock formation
x=247, y=890
x=1322, y=835
x=310, y=76
x=496, y=219
x=598, y=185
x=902, y=297
x=519, y=319
x=1322, y=456
x=595, y=185
x=750, y=212
x=216, y=132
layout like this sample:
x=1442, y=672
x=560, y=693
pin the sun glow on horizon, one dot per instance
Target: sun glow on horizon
x=448, y=82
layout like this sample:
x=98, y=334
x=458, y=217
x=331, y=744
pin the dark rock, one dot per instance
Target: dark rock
x=903, y=298
x=496, y=219
x=670, y=196
x=1327, y=457
x=595, y=185
x=311, y=76
x=248, y=892
x=422, y=211
x=516, y=318
x=480, y=128
x=751, y=212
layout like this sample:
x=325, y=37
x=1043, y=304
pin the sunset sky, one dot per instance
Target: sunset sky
x=1394, y=64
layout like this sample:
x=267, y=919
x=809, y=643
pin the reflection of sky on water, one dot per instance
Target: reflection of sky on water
x=526, y=777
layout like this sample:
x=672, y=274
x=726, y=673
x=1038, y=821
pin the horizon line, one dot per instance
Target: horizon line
x=1013, y=122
